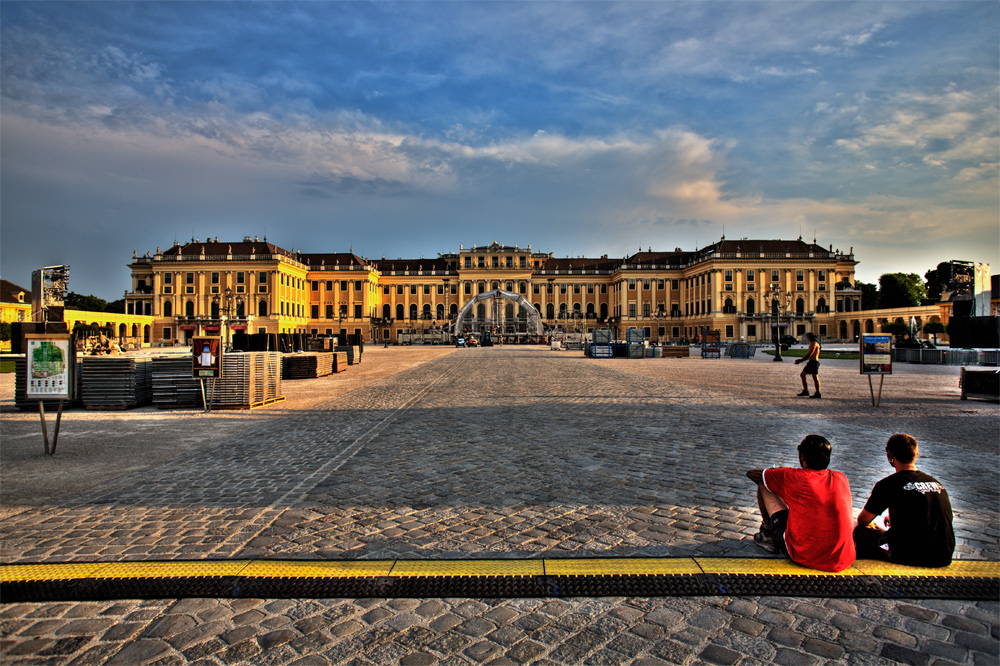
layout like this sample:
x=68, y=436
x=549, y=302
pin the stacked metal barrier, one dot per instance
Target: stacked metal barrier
x=173, y=382
x=116, y=382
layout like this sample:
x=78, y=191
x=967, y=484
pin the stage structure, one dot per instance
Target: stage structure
x=494, y=313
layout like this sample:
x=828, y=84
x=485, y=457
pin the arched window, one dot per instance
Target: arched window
x=262, y=309
x=215, y=310
x=168, y=309
x=145, y=333
x=728, y=307
x=427, y=310
x=800, y=306
x=453, y=310
x=241, y=310
x=751, y=306
x=440, y=311
x=508, y=311
x=590, y=310
x=821, y=305
x=189, y=308
x=604, y=310
x=386, y=311
x=400, y=311
x=509, y=287
x=550, y=311
x=413, y=311
x=480, y=312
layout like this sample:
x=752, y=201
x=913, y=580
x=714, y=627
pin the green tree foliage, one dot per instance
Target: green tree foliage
x=75, y=301
x=901, y=290
x=6, y=331
x=934, y=328
x=897, y=328
x=869, y=295
x=937, y=281
x=117, y=307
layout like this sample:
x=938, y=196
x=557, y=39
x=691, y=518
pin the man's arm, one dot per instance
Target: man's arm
x=756, y=475
x=865, y=518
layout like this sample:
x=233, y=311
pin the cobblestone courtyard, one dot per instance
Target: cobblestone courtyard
x=503, y=452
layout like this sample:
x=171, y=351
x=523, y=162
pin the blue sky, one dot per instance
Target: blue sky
x=409, y=129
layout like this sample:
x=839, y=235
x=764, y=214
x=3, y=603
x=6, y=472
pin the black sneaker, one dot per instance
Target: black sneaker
x=804, y=394
x=816, y=395
x=765, y=541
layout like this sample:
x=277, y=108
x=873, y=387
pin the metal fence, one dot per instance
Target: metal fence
x=947, y=356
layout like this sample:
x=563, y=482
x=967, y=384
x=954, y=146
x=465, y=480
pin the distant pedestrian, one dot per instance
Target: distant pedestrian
x=919, y=529
x=812, y=367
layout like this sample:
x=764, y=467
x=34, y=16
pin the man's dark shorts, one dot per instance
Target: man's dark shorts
x=812, y=368
x=779, y=522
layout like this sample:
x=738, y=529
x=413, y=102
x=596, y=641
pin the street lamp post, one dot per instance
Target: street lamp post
x=227, y=303
x=776, y=302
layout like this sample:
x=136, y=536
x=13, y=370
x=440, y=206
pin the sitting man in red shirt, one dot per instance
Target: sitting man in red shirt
x=806, y=511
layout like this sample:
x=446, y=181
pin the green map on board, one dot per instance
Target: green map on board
x=47, y=359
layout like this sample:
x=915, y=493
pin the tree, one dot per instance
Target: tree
x=90, y=303
x=116, y=306
x=6, y=331
x=937, y=281
x=869, y=295
x=896, y=328
x=933, y=328
x=901, y=290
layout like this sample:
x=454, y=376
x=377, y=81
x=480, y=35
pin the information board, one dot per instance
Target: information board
x=206, y=357
x=876, y=354
x=49, y=366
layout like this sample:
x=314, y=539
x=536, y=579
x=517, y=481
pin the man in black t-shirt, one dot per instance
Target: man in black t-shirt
x=919, y=526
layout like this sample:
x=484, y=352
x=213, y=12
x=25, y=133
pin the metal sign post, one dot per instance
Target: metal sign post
x=50, y=369
x=875, y=355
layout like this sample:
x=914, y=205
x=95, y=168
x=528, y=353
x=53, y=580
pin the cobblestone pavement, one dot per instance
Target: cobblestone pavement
x=511, y=452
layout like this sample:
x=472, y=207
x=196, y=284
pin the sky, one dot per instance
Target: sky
x=404, y=130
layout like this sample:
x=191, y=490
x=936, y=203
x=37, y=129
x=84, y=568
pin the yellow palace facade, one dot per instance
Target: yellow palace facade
x=733, y=286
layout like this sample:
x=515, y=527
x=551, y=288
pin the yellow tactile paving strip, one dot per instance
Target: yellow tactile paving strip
x=17, y=573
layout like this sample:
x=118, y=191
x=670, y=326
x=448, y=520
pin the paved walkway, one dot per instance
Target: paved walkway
x=508, y=452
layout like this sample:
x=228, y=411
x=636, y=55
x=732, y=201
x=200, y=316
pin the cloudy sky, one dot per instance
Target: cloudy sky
x=409, y=129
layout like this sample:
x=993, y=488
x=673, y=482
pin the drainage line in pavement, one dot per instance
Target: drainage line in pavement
x=602, y=577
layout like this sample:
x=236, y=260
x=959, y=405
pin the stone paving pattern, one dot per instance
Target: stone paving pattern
x=513, y=452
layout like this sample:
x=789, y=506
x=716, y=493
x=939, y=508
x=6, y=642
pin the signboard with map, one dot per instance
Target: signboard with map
x=876, y=354
x=49, y=367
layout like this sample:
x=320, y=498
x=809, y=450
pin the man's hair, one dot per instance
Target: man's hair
x=811, y=336
x=815, y=451
x=903, y=448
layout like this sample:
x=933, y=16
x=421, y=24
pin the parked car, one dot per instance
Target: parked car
x=788, y=340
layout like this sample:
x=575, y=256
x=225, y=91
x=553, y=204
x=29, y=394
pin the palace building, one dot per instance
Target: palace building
x=733, y=286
